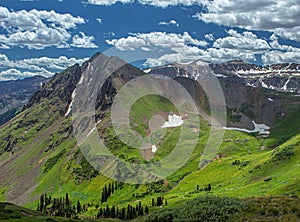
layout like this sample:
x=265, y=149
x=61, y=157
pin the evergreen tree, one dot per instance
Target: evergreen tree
x=112, y=188
x=159, y=201
x=123, y=214
x=79, y=209
x=100, y=212
x=67, y=200
x=109, y=190
x=113, y=212
x=153, y=202
x=133, y=213
x=128, y=212
x=42, y=203
x=107, y=211
x=208, y=187
x=141, y=211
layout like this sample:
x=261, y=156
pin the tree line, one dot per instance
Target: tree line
x=124, y=213
x=107, y=191
x=62, y=207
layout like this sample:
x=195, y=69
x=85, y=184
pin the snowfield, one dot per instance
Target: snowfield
x=262, y=129
x=174, y=121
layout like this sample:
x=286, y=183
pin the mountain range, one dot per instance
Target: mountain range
x=39, y=152
x=14, y=94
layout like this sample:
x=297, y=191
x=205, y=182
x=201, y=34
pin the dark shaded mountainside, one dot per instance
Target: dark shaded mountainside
x=15, y=94
x=252, y=93
x=40, y=154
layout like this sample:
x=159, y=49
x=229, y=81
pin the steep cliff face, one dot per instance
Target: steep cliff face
x=279, y=77
x=252, y=93
x=61, y=86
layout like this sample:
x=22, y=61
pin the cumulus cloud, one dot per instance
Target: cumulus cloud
x=108, y=2
x=242, y=41
x=153, y=40
x=44, y=66
x=13, y=74
x=36, y=29
x=209, y=37
x=171, y=22
x=83, y=41
x=281, y=53
x=280, y=17
x=276, y=56
x=167, y=48
x=184, y=48
x=99, y=20
x=156, y=3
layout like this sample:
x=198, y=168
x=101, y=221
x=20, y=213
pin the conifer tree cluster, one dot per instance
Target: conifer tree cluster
x=107, y=191
x=159, y=201
x=62, y=207
x=128, y=213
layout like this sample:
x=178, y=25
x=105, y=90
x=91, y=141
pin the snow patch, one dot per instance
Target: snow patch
x=251, y=85
x=264, y=85
x=81, y=79
x=154, y=149
x=95, y=127
x=147, y=70
x=71, y=103
x=285, y=85
x=82, y=76
x=262, y=129
x=220, y=75
x=174, y=121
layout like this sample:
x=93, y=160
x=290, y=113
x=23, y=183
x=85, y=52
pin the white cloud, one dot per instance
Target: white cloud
x=156, y=3
x=163, y=48
x=3, y=46
x=171, y=22
x=83, y=41
x=225, y=54
x=281, y=53
x=153, y=40
x=36, y=29
x=242, y=41
x=44, y=66
x=99, y=20
x=280, y=17
x=13, y=74
x=276, y=56
x=209, y=37
x=183, y=48
x=108, y=2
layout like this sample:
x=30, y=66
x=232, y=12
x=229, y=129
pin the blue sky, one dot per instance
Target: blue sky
x=41, y=37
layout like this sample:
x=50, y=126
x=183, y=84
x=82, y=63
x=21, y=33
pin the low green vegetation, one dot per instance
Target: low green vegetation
x=222, y=209
x=246, y=165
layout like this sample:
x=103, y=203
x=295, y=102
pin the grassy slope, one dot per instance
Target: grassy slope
x=10, y=212
x=282, y=177
x=211, y=208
